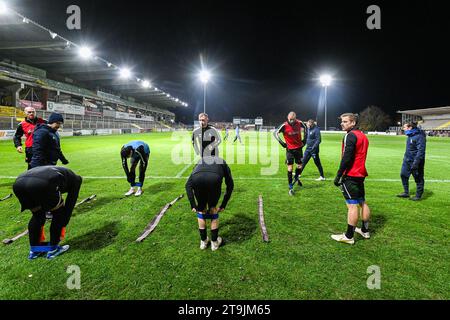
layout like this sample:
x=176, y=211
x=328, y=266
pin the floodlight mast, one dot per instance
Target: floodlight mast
x=325, y=81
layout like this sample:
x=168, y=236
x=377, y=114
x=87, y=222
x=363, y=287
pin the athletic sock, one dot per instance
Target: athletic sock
x=350, y=231
x=365, y=226
x=214, y=234
x=203, y=235
x=290, y=178
x=297, y=173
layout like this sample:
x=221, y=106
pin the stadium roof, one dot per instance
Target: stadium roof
x=427, y=111
x=27, y=42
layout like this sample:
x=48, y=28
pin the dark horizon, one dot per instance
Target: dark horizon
x=266, y=58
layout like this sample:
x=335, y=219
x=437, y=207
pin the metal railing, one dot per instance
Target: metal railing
x=89, y=122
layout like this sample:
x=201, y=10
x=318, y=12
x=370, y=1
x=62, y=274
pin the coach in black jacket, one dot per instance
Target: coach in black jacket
x=46, y=143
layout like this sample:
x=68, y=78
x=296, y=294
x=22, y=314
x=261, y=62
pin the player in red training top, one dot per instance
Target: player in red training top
x=293, y=142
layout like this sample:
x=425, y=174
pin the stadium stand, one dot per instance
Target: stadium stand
x=46, y=73
x=434, y=121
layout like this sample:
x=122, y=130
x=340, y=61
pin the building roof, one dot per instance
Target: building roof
x=26, y=42
x=427, y=111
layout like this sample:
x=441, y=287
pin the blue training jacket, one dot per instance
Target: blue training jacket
x=46, y=147
x=313, y=138
x=136, y=144
x=415, y=146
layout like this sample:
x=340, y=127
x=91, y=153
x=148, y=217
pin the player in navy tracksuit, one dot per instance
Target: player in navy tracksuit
x=414, y=160
x=313, y=139
x=139, y=152
x=46, y=143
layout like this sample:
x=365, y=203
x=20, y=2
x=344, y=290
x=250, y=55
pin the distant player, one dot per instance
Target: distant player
x=203, y=189
x=26, y=128
x=313, y=140
x=206, y=138
x=227, y=132
x=414, y=160
x=139, y=152
x=238, y=135
x=293, y=143
x=40, y=190
x=350, y=177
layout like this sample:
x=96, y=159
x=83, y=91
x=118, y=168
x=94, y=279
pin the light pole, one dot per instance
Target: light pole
x=325, y=81
x=204, y=76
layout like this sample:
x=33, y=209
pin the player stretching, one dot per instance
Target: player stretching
x=139, y=152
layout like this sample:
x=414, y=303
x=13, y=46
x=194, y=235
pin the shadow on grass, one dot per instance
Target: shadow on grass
x=377, y=223
x=427, y=194
x=7, y=184
x=238, y=229
x=96, y=239
x=159, y=187
x=95, y=203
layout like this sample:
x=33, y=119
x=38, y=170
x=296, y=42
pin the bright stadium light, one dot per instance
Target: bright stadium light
x=53, y=34
x=204, y=76
x=85, y=52
x=325, y=81
x=146, y=84
x=125, y=73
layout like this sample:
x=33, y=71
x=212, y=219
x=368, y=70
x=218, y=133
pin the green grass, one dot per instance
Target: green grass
x=410, y=240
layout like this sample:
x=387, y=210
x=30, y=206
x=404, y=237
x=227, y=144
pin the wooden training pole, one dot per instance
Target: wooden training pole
x=154, y=222
x=262, y=224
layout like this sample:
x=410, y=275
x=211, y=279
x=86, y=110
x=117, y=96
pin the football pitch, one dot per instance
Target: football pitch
x=409, y=245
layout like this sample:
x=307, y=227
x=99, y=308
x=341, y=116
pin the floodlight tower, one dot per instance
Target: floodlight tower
x=204, y=77
x=325, y=81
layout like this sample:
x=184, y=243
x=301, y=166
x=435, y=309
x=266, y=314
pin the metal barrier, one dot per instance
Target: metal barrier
x=76, y=122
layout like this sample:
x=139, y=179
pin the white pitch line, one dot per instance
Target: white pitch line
x=238, y=178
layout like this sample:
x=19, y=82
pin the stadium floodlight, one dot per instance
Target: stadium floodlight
x=168, y=95
x=109, y=64
x=85, y=52
x=53, y=34
x=204, y=77
x=3, y=8
x=25, y=20
x=125, y=73
x=146, y=84
x=325, y=81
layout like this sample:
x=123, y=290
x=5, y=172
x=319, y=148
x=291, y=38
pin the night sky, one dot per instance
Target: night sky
x=266, y=56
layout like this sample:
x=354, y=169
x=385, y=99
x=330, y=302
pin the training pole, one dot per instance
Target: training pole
x=6, y=198
x=262, y=224
x=152, y=225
